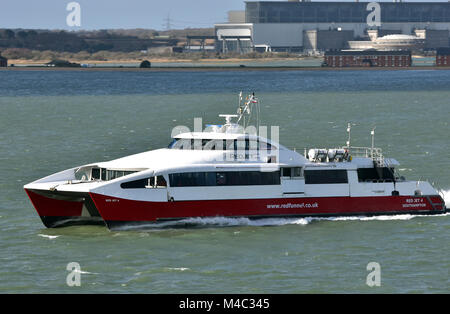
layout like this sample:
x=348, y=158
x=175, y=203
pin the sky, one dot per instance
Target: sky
x=115, y=14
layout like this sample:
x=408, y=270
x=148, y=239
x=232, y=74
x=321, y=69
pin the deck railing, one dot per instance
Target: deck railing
x=376, y=154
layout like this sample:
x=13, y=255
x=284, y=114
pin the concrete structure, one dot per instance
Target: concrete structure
x=200, y=43
x=234, y=38
x=324, y=40
x=434, y=38
x=236, y=17
x=443, y=57
x=309, y=25
x=368, y=59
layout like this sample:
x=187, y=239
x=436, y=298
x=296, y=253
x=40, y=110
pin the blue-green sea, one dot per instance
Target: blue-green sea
x=54, y=120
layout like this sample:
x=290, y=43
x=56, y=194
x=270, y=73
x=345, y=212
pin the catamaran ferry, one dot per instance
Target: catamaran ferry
x=225, y=171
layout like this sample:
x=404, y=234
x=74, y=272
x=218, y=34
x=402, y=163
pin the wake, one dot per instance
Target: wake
x=264, y=222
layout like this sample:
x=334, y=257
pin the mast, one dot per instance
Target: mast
x=246, y=109
x=372, y=133
x=349, y=129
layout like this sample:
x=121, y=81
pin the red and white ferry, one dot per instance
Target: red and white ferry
x=225, y=171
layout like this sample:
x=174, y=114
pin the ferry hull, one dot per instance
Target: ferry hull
x=58, y=209
x=118, y=212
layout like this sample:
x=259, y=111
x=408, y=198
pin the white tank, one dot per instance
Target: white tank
x=312, y=154
x=331, y=154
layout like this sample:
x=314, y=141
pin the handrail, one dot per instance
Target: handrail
x=376, y=154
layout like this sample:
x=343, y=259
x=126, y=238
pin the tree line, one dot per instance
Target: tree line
x=121, y=40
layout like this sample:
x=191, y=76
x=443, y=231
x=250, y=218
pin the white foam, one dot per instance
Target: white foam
x=177, y=268
x=235, y=222
x=447, y=198
x=372, y=218
x=48, y=236
x=217, y=222
x=227, y=221
x=84, y=272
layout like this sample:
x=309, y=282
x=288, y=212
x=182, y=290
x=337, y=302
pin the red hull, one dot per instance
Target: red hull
x=57, y=210
x=116, y=211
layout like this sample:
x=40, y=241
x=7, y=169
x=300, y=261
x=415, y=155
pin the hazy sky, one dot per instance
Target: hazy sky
x=103, y=14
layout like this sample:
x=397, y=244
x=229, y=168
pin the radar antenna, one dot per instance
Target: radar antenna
x=246, y=109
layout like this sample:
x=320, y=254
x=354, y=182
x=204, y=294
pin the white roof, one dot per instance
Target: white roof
x=399, y=36
x=220, y=136
x=210, y=135
x=156, y=159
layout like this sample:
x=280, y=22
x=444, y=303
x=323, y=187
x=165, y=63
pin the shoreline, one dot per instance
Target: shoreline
x=164, y=60
x=219, y=68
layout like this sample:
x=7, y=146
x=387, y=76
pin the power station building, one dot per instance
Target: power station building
x=302, y=26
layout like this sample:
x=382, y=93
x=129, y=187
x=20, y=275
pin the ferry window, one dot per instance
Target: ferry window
x=221, y=178
x=286, y=172
x=83, y=174
x=241, y=145
x=192, y=179
x=214, y=145
x=232, y=178
x=371, y=174
x=175, y=179
x=161, y=182
x=182, y=143
x=270, y=178
x=95, y=174
x=111, y=174
x=295, y=172
x=136, y=184
x=145, y=183
x=252, y=178
x=231, y=144
x=114, y=174
x=172, y=144
x=252, y=144
x=326, y=176
x=265, y=146
x=106, y=175
x=205, y=142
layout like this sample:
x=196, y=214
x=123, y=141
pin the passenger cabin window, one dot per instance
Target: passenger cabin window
x=221, y=144
x=326, y=176
x=157, y=182
x=232, y=178
x=376, y=174
x=96, y=173
x=292, y=173
x=107, y=175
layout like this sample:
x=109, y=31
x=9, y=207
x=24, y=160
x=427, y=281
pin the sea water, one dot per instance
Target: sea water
x=54, y=120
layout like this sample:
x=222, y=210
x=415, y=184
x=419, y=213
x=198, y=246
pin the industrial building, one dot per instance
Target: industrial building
x=308, y=26
x=443, y=57
x=368, y=58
